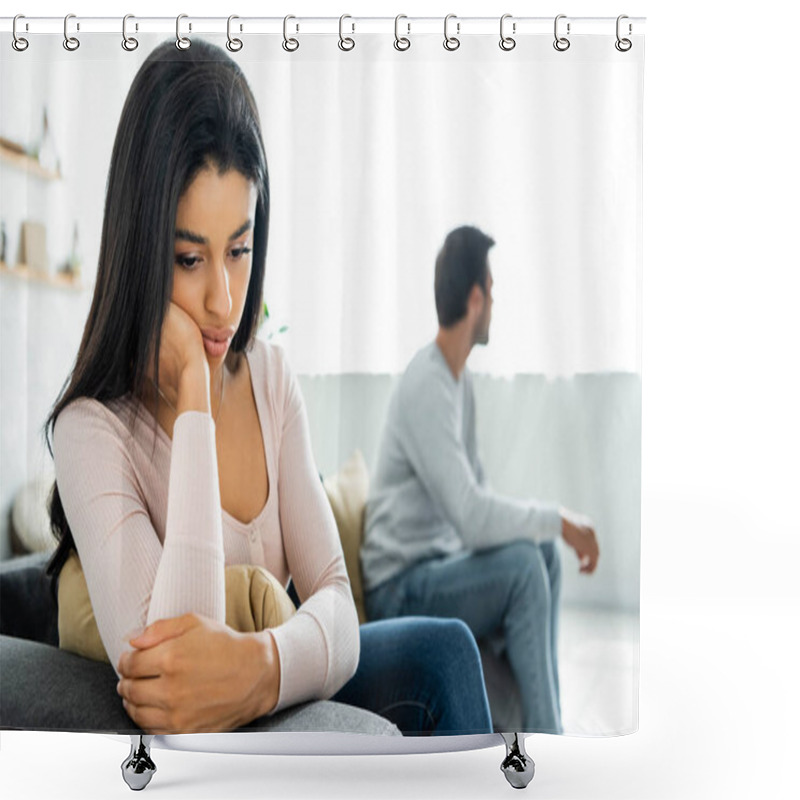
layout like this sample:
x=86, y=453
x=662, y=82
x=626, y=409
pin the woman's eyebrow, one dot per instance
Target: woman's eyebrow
x=196, y=238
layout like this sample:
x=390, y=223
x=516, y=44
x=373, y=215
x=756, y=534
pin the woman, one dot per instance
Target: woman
x=157, y=497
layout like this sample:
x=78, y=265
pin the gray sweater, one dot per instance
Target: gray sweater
x=428, y=497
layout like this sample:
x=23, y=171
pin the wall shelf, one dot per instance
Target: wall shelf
x=23, y=272
x=27, y=163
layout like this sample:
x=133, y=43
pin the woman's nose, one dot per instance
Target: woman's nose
x=218, y=293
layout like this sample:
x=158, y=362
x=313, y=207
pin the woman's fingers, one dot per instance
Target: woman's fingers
x=144, y=693
x=150, y=719
x=146, y=663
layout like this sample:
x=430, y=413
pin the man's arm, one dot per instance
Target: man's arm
x=471, y=439
x=482, y=518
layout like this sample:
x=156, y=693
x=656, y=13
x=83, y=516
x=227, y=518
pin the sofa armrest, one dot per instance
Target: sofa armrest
x=44, y=688
x=27, y=608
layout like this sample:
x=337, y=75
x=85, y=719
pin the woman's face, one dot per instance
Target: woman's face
x=213, y=255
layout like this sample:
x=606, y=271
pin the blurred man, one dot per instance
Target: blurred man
x=438, y=542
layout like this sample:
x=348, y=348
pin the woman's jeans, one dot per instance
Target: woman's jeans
x=422, y=674
x=513, y=589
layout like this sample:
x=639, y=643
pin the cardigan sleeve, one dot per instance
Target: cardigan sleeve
x=318, y=647
x=134, y=579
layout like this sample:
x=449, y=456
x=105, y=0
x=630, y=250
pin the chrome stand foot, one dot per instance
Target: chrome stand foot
x=138, y=768
x=517, y=766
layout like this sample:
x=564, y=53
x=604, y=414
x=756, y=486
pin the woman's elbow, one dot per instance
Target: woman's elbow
x=351, y=644
x=346, y=652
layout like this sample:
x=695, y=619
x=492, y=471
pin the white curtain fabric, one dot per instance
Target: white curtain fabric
x=374, y=155
x=540, y=149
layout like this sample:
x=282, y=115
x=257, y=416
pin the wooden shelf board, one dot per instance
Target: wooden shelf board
x=23, y=272
x=27, y=163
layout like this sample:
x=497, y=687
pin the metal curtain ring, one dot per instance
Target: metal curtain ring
x=19, y=43
x=233, y=44
x=561, y=43
x=623, y=45
x=181, y=42
x=451, y=42
x=289, y=45
x=401, y=43
x=506, y=42
x=346, y=43
x=128, y=42
x=70, y=42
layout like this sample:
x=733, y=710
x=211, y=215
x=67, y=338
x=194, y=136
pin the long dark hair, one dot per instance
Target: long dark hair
x=186, y=110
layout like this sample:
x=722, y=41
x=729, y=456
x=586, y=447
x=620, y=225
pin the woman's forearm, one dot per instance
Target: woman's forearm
x=193, y=391
x=190, y=575
x=267, y=663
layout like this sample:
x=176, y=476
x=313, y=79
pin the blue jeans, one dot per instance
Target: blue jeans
x=424, y=675
x=512, y=590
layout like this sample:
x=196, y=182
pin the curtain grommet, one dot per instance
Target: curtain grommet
x=19, y=43
x=129, y=43
x=289, y=44
x=561, y=43
x=401, y=43
x=70, y=43
x=507, y=43
x=181, y=42
x=451, y=43
x=346, y=43
x=233, y=44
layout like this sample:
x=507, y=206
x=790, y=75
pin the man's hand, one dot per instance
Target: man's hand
x=190, y=674
x=578, y=533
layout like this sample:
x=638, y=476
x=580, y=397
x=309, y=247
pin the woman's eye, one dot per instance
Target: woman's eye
x=239, y=252
x=187, y=262
x=190, y=262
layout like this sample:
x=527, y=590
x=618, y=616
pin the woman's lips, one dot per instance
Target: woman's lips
x=215, y=348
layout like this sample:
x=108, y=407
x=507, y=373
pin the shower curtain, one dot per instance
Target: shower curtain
x=376, y=152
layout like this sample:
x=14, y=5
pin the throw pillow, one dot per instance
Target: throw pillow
x=347, y=493
x=254, y=600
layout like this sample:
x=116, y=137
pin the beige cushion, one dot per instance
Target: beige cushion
x=254, y=600
x=347, y=493
x=30, y=519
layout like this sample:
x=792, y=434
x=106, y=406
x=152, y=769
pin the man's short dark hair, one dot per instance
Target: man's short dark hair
x=461, y=264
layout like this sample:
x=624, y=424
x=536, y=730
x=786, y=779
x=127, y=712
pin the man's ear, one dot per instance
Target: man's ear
x=475, y=300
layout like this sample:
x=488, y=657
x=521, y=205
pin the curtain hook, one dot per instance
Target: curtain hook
x=561, y=43
x=181, y=42
x=401, y=43
x=289, y=45
x=623, y=45
x=19, y=43
x=128, y=42
x=70, y=42
x=451, y=42
x=233, y=44
x=507, y=42
x=345, y=42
